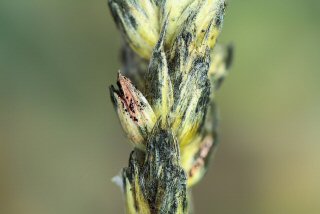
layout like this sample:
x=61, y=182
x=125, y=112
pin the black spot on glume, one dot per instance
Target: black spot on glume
x=133, y=22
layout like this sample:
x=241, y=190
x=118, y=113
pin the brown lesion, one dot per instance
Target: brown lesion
x=129, y=97
x=202, y=155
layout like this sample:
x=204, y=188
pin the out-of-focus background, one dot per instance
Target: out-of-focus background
x=61, y=143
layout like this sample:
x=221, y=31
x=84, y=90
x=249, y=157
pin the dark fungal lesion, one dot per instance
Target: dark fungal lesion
x=221, y=9
x=160, y=176
x=158, y=82
x=227, y=61
x=122, y=6
x=229, y=58
x=132, y=22
x=197, y=81
x=112, y=90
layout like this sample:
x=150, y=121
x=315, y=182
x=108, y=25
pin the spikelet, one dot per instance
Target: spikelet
x=170, y=116
x=141, y=21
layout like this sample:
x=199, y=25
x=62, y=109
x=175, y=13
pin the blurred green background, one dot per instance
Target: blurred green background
x=61, y=143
